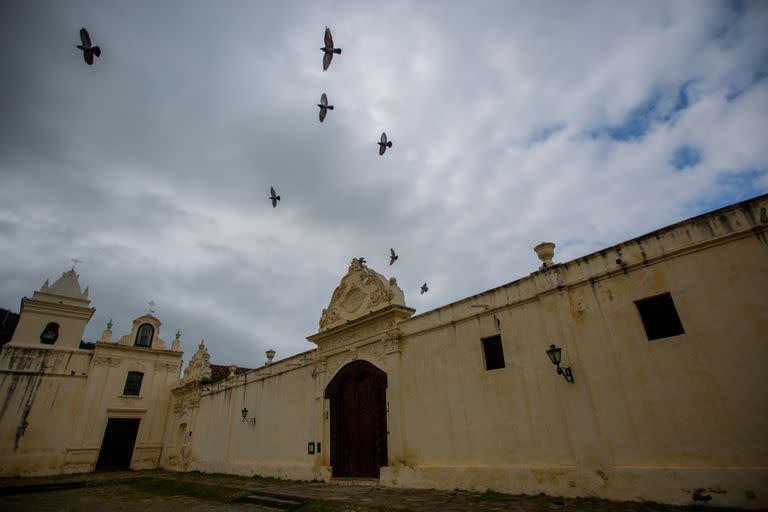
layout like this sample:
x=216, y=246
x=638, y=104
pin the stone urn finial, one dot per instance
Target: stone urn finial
x=270, y=356
x=106, y=336
x=176, y=341
x=232, y=370
x=545, y=251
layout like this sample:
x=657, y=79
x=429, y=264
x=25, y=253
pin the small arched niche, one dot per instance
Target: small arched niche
x=144, y=335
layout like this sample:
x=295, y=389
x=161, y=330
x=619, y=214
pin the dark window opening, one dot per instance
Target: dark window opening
x=144, y=336
x=659, y=317
x=50, y=334
x=494, y=353
x=133, y=383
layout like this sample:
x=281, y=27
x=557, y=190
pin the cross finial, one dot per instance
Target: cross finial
x=75, y=261
x=151, y=307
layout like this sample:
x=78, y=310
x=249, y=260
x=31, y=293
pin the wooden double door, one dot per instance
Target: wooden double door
x=358, y=420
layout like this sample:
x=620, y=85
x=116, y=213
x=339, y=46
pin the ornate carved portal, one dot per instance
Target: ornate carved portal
x=358, y=420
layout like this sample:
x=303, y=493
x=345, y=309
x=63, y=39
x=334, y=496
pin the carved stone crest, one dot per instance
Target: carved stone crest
x=353, y=300
x=361, y=285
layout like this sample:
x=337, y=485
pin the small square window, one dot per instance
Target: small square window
x=659, y=317
x=494, y=353
x=133, y=383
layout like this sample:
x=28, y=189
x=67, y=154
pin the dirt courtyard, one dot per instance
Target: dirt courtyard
x=162, y=491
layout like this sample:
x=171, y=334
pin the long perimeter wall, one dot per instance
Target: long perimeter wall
x=675, y=420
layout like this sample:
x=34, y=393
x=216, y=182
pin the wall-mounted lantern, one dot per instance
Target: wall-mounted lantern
x=246, y=419
x=554, y=356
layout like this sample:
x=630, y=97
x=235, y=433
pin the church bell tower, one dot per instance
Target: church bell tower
x=56, y=314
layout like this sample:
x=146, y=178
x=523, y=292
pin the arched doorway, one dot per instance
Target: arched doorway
x=358, y=420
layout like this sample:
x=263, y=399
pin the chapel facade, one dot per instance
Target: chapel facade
x=633, y=373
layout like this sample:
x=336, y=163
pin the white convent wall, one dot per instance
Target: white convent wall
x=668, y=420
x=651, y=420
x=282, y=401
x=39, y=388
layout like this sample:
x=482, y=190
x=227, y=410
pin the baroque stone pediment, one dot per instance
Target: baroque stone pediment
x=361, y=291
x=199, y=366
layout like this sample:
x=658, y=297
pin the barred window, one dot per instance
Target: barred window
x=50, y=334
x=133, y=383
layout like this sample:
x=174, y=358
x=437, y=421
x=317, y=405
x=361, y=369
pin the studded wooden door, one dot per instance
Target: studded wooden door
x=358, y=420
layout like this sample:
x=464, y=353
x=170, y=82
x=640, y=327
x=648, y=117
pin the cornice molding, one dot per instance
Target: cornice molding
x=64, y=310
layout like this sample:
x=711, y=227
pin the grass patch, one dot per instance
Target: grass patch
x=194, y=475
x=335, y=506
x=497, y=497
x=494, y=495
x=164, y=487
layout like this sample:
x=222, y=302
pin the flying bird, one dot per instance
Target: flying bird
x=324, y=107
x=424, y=289
x=392, y=256
x=383, y=144
x=361, y=260
x=328, y=49
x=88, y=50
x=274, y=197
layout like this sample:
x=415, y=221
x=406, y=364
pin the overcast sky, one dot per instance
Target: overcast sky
x=513, y=123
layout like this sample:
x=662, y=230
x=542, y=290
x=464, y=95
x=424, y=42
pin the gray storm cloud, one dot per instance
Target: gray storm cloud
x=154, y=165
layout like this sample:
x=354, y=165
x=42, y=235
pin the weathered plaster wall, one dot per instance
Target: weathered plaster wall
x=644, y=419
x=55, y=400
x=281, y=398
x=671, y=420
x=39, y=388
x=103, y=399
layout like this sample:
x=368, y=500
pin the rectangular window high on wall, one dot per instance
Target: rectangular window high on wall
x=133, y=383
x=659, y=316
x=494, y=353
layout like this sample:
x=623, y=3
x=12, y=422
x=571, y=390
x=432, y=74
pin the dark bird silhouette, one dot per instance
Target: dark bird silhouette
x=361, y=260
x=328, y=49
x=274, y=197
x=324, y=107
x=424, y=289
x=88, y=50
x=383, y=144
x=392, y=256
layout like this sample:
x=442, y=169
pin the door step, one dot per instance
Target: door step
x=272, y=499
x=343, y=480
